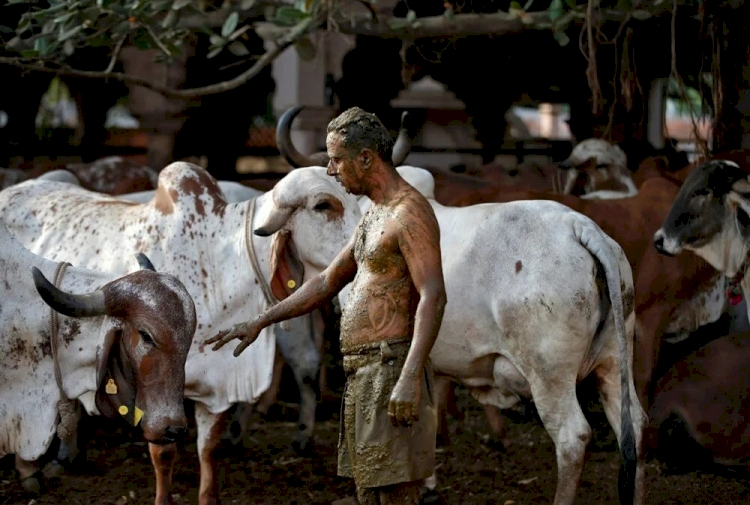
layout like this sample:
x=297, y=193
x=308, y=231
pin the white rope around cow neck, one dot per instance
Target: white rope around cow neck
x=65, y=406
x=265, y=287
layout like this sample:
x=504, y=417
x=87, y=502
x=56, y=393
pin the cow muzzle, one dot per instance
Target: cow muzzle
x=664, y=245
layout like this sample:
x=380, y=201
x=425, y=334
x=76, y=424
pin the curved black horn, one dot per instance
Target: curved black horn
x=284, y=141
x=402, y=146
x=84, y=305
x=144, y=262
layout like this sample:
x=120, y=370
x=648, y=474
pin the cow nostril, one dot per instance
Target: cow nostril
x=659, y=243
x=176, y=433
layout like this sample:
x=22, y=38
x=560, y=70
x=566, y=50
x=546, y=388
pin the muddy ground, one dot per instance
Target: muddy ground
x=472, y=468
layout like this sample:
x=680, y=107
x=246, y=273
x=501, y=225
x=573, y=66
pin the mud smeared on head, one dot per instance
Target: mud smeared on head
x=361, y=130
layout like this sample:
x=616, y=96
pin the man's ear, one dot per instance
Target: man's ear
x=366, y=158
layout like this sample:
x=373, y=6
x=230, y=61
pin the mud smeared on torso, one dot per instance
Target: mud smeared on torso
x=382, y=302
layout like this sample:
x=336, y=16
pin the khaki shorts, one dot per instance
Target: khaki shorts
x=371, y=450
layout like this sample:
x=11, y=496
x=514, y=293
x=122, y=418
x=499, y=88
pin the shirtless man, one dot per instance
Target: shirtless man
x=390, y=321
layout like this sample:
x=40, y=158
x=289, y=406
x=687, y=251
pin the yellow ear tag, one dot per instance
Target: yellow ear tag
x=137, y=415
x=111, y=388
x=123, y=410
x=291, y=284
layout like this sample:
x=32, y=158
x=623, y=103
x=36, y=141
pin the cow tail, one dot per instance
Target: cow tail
x=593, y=240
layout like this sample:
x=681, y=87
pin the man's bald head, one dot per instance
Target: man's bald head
x=361, y=130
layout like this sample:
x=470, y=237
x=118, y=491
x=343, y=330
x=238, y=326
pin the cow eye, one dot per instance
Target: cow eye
x=323, y=206
x=146, y=337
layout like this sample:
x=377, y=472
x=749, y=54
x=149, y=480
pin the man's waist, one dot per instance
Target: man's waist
x=375, y=347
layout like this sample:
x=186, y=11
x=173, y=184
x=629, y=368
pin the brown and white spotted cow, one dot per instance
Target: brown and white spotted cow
x=597, y=169
x=226, y=254
x=120, y=350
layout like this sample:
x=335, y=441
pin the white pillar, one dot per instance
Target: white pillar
x=548, y=119
x=656, y=103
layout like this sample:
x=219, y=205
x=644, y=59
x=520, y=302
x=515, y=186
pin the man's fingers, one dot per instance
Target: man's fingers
x=392, y=413
x=216, y=337
x=241, y=347
x=226, y=338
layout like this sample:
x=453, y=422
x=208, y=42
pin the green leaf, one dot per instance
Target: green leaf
x=217, y=41
x=411, y=16
x=561, y=37
x=289, y=16
x=68, y=48
x=5, y=29
x=230, y=24
x=571, y=3
x=397, y=23
x=214, y=52
x=30, y=53
x=555, y=9
x=640, y=14
x=69, y=33
x=448, y=13
x=247, y=4
x=64, y=17
x=237, y=48
x=179, y=4
x=515, y=5
x=305, y=49
x=170, y=19
x=41, y=45
x=23, y=25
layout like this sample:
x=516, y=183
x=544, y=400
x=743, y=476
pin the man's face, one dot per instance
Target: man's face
x=344, y=167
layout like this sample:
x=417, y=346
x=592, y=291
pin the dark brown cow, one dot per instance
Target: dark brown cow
x=702, y=405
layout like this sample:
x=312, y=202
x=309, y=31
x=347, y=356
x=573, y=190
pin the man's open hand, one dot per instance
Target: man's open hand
x=247, y=332
x=403, y=408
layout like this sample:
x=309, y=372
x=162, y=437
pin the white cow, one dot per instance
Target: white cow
x=539, y=298
x=120, y=347
x=190, y=230
x=234, y=192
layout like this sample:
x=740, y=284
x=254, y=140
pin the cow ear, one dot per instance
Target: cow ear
x=742, y=186
x=287, y=271
x=741, y=207
x=273, y=222
x=115, y=381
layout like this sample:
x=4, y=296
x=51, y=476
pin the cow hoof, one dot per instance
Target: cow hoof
x=302, y=445
x=429, y=497
x=33, y=484
x=53, y=469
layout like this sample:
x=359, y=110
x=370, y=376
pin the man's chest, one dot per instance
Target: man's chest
x=377, y=240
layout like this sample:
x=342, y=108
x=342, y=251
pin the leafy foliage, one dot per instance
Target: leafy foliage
x=53, y=31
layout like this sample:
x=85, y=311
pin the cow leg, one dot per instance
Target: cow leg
x=609, y=388
x=29, y=475
x=567, y=426
x=269, y=396
x=297, y=347
x=443, y=395
x=163, y=459
x=210, y=428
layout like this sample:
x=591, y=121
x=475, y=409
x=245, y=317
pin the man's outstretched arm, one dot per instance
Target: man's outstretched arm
x=419, y=242
x=310, y=296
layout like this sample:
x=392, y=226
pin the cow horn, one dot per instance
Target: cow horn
x=402, y=146
x=144, y=262
x=296, y=159
x=284, y=142
x=84, y=305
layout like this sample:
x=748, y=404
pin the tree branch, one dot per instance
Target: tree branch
x=460, y=25
x=287, y=40
x=115, y=54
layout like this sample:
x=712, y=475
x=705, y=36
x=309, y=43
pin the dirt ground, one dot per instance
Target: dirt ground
x=471, y=469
